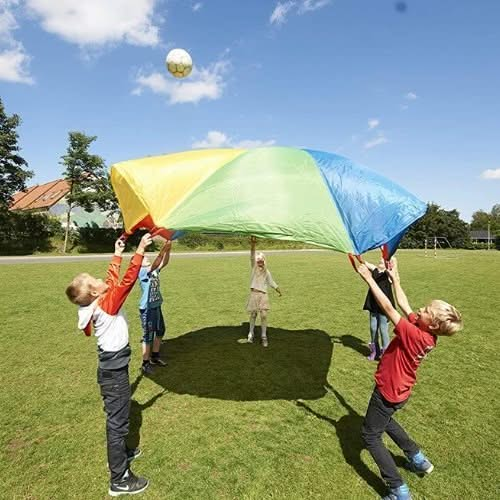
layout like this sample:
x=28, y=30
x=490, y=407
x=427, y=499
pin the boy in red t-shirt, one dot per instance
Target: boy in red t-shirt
x=416, y=336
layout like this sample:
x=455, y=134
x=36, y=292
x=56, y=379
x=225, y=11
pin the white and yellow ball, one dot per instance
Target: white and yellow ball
x=179, y=63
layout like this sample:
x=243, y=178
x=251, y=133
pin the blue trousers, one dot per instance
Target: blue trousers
x=379, y=327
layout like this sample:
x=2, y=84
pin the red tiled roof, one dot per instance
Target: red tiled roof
x=42, y=196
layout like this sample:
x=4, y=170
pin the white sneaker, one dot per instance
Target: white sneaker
x=250, y=338
x=264, y=342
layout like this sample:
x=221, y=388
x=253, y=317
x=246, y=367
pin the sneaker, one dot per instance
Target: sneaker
x=265, y=343
x=401, y=493
x=147, y=368
x=133, y=454
x=250, y=338
x=420, y=464
x=158, y=362
x=129, y=484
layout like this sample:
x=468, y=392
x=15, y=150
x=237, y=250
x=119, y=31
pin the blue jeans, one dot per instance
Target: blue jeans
x=153, y=324
x=379, y=324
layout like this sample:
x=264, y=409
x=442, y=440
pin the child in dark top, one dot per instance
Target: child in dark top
x=378, y=320
x=415, y=336
x=100, y=306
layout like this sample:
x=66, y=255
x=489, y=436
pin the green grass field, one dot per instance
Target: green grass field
x=230, y=420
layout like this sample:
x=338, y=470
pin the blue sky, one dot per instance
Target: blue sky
x=412, y=93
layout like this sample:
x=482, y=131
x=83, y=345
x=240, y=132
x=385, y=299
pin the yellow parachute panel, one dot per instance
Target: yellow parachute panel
x=146, y=194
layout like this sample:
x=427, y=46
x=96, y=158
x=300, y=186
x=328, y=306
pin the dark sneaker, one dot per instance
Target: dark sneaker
x=133, y=454
x=401, y=493
x=420, y=464
x=147, y=368
x=158, y=362
x=129, y=484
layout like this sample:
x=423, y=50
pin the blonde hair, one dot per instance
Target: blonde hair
x=260, y=256
x=446, y=317
x=78, y=291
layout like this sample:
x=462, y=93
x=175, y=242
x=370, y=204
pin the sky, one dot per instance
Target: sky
x=409, y=89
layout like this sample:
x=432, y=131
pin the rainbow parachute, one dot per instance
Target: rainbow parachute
x=277, y=192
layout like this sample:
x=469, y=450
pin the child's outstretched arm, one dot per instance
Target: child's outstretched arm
x=253, y=240
x=380, y=297
x=113, y=300
x=112, y=276
x=163, y=257
x=401, y=298
x=369, y=265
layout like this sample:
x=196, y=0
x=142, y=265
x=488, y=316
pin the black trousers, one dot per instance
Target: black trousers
x=115, y=392
x=378, y=420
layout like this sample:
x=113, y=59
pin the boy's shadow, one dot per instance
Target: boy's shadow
x=348, y=429
x=135, y=418
x=216, y=362
x=352, y=342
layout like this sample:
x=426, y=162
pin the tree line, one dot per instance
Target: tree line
x=90, y=188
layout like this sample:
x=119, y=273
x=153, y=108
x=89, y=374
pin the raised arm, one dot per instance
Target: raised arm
x=116, y=296
x=382, y=300
x=369, y=265
x=163, y=257
x=113, y=274
x=399, y=293
x=253, y=241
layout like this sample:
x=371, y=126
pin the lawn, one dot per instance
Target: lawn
x=231, y=420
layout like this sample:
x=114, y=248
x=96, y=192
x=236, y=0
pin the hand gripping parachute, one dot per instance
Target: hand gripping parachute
x=282, y=193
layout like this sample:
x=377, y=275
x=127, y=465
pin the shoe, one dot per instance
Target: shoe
x=373, y=352
x=133, y=454
x=129, y=484
x=147, y=368
x=250, y=338
x=420, y=464
x=158, y=362
x=264, y=342
x=400, y=493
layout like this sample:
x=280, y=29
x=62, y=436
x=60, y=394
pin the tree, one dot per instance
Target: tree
x=87, y=177
x=481, y=219
x=437, y=222
x=13, y=172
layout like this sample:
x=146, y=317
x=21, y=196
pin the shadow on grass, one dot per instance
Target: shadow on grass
x=216, y=362
x=135, y=418
x=348, y=429
x=353, y=343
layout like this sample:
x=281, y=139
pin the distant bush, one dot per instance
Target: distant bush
x=23, y=233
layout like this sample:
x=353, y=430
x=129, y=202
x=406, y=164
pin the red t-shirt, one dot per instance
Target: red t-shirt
x=397, y=371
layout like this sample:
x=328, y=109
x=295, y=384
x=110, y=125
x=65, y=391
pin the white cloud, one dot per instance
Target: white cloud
x=284, y=9
x=14, y=60
x=206, y=83
x=14, y=65
x=197, y=6
x=280, y=12
x=491, y=174
x=411, y=96
x=377, y=141
x=96, y=23
x=373, y=123
x=310, y=5
x=217, y=139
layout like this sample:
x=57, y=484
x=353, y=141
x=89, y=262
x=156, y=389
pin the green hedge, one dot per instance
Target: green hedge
x=23, y=233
